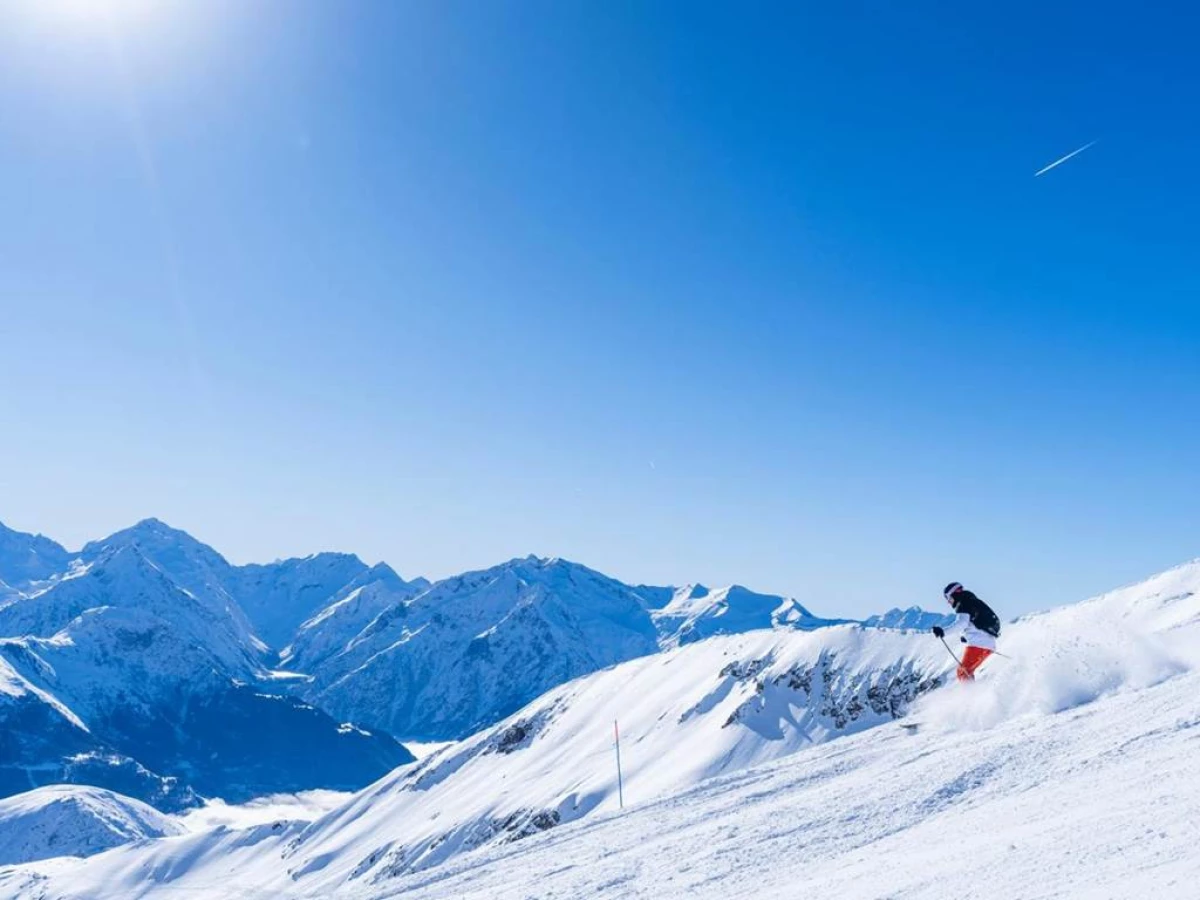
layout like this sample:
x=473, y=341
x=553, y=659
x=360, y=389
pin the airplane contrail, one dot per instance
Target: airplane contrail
x=1059, y=162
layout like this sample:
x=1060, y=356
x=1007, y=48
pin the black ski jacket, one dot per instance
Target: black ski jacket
x=982, y=616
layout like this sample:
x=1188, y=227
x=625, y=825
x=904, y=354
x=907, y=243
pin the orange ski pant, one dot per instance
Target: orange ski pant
x=971, y=661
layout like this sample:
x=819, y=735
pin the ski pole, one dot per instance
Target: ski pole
x=953, y=655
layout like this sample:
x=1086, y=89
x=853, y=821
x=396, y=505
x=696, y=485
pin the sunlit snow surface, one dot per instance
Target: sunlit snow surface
x=1067, y=771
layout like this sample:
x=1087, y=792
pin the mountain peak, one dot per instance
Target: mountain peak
x=333, y=556
x=157, y=536
x=152, y=522
x=382, y=572
x=152, y=527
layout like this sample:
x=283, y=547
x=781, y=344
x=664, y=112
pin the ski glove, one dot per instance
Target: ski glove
x=963, y=638
x=938, y=631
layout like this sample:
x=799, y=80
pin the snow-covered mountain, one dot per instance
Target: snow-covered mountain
x=705, y=709
x=69, y=820
x=26, y=559
x=280, y=596
x=913, y=619
x=42, y=741
x=269, y=601
x=154, y=695
x=472, y=649
x=1064, y=772
x=350, y=610
x=168, y=678
x=694, y=613
x=159, y=647
x=191, y=566
x=122, y=577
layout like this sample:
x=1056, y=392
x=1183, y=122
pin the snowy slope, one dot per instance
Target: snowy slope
x=123, y=577
x=26, y=559
x=1097, y=804
x=1094, y=803
x=67, y=820
x=42, y=741
x=35, y=730
x=1065, y=772
x=711, y=707
x=279, y=596
x=349, y=611
x=155, y=694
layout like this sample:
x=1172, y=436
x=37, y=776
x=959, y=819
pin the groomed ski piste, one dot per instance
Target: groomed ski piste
x=1067, y=770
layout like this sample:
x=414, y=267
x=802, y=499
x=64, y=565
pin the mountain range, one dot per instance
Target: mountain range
x=149, y=664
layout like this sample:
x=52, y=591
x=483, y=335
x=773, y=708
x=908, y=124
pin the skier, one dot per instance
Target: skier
x=981, y=627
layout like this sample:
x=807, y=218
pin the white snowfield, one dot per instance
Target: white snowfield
x=1066, y=771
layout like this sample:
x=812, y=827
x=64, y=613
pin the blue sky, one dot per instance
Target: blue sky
x=688, y=292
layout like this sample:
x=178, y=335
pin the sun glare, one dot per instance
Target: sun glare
x=98, y=13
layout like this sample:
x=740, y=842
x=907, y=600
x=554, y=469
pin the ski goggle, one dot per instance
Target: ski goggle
x=952, y=590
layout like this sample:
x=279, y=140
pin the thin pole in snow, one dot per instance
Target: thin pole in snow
x=953, y=655
x=620, y=785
